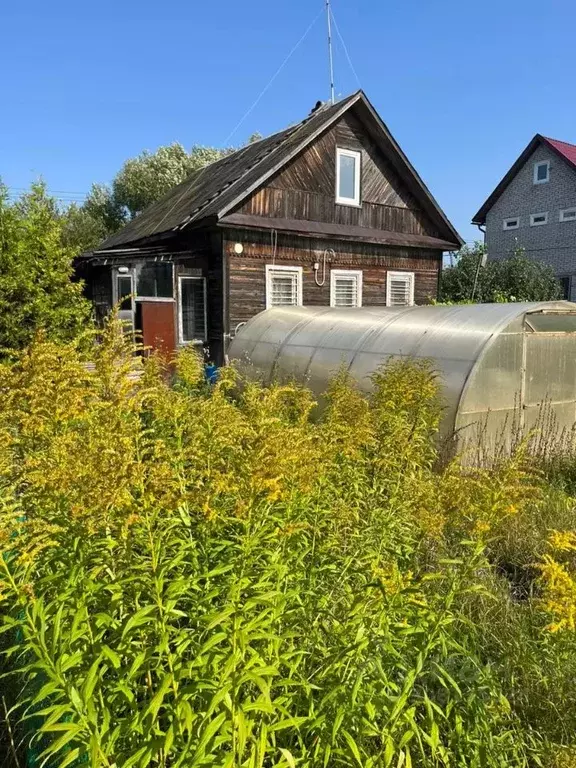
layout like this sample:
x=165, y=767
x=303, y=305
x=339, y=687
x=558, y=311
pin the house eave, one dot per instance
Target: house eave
x=319, y=229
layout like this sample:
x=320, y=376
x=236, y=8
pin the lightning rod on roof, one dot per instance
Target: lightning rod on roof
x=330, y=59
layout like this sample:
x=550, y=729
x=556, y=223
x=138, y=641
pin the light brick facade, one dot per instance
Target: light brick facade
x=554, y=242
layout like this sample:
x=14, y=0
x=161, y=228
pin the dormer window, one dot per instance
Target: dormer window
x=348, y=169
x=542, y=172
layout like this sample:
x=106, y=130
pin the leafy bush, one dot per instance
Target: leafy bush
x=36, y=289
x=195, y=576
x=515, y=278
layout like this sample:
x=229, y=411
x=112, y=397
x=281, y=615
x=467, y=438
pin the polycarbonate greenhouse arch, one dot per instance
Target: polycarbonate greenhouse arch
x=499, y=364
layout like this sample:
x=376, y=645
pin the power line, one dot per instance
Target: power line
x=15, y=193
x=274, y=76
x=337, y=28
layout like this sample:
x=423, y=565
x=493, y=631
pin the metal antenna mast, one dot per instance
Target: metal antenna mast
x=328, y=13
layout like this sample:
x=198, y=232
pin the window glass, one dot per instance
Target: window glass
x=283, y=289
x=125, y=291
x=541, y=172
x=538, y=218
x=154, y=280
x=347, y=177
x=565, y=283
x=192, y=309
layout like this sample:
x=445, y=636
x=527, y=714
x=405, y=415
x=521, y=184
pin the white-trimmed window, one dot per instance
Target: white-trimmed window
x=512, y=223
x=283, y=286
x=124, y=290
x=191, y=309
x=348, y=170
x=568, y=214
x=399, y=289
x=542, y=172
x=345, y=288
x=538, y=219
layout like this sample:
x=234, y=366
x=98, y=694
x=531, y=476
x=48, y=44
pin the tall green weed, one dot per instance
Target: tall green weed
x=194, y=576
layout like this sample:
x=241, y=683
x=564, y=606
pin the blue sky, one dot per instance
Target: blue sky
x=462, y=85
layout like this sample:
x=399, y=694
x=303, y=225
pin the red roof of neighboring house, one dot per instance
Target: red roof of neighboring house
x=566, y=150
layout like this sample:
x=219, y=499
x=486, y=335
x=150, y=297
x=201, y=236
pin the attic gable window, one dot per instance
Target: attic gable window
x=400, y=289
x=348, y=170
x=512, y=223
x=541, y=172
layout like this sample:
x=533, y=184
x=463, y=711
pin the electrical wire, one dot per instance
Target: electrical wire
x=273, y=78
x=274, y=244
x=337, y=28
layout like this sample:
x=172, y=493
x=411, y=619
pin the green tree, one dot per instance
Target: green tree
x=140, y=182
x=515, y=278
x=36, y=289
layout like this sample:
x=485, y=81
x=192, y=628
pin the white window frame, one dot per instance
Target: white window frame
x=181, y=339
x=341, y=152
x=116, y=274
x=270, y=268
x=563, y=213
x=534, y=223
x=335, y=274
x=410, y=278
x=506, y=223
x=536, y=166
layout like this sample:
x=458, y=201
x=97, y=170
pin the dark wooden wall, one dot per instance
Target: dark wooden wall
x=306, y=188
x=246, y=273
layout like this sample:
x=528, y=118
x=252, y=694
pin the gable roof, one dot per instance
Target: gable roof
x=564, y=150
x=213, y=191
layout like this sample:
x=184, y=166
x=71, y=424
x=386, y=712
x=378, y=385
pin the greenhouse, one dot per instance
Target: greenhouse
x=501, y=365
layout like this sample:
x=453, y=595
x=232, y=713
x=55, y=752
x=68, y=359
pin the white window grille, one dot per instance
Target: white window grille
x=399, y=289
x=345, y=288
x=283, y=286
x=348, y=170
x=192, y=309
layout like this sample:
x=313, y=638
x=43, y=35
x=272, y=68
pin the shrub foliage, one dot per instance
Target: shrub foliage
x=514, y=278
x=36, y=290
x=196, y=577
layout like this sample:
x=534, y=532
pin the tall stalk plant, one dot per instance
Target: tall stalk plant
x=212, y=577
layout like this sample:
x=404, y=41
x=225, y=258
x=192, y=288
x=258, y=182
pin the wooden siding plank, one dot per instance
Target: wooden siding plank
x=248, y=279
x=346, y=231
x=305, y=189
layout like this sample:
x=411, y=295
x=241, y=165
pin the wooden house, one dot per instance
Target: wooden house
x=327, y=212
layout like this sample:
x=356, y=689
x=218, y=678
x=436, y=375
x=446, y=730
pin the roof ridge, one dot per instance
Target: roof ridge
x=285, y=134
x=559, y=141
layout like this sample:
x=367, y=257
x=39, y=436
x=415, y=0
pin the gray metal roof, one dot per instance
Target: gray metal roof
x=216, y=189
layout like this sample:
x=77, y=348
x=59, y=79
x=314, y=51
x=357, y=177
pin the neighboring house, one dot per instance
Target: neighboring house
x=534, y=207
x=326, y=212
